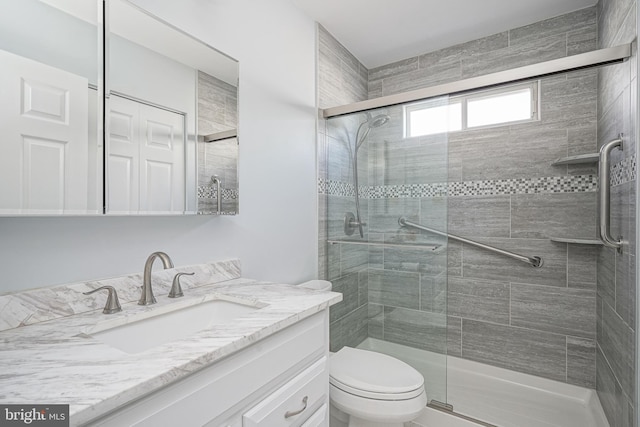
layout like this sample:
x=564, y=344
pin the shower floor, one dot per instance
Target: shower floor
x=496, y=396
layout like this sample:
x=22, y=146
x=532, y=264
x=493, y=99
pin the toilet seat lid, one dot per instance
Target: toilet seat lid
x=373, y=372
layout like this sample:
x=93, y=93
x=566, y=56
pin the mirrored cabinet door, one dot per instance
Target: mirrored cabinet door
x=50, y=115
x=167, y=92
x=164, y=103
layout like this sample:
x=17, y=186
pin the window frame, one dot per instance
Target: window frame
x=464, y=99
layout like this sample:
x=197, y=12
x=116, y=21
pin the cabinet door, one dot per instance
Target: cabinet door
x=294, y=402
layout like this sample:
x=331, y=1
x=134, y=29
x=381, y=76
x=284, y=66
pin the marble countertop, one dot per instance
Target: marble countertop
x=57, y=362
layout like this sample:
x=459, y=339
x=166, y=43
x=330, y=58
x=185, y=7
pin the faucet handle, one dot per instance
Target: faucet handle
x=176, y=289
x=113, y=304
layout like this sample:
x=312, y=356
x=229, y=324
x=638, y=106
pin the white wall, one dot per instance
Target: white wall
x=275, y=236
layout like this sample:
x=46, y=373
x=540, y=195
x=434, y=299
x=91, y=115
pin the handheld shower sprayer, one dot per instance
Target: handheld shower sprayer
x=351, y=221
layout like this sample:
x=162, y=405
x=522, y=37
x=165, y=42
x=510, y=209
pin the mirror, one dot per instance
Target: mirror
x=50, y=117
x=166, y=92
x=167, y=99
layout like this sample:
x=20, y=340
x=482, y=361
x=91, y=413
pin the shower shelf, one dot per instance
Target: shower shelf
x=430, y=247
x=576, y=241
x=574, y=160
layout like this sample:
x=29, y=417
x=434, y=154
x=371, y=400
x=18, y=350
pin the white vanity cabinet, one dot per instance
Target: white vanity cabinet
x=286, y=406
x=282, y=380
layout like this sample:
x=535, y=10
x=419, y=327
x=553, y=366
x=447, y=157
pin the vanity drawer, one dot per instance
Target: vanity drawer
x=319, y=418
x=294, y=402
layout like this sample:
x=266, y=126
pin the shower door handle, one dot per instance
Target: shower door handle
x=604, y=196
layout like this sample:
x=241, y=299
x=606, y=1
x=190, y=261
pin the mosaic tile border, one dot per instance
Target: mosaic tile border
x=558, y=184
x=207, y=192
x=624, y=171
x=621, y=173
x=337, y=188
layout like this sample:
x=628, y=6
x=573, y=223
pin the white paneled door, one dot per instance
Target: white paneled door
x=44, y=139
x=146, y=172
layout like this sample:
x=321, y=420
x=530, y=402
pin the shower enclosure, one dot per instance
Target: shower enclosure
x=461, y=228
x=376, y=175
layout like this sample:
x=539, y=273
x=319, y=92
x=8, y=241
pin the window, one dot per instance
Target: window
x=506, y=105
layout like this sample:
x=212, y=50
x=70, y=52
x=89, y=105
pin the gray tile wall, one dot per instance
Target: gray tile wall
x=616, y=281
x=217, y=112
x=551, y=39
x=539, y=321
x=499, y=311
x=342, y=79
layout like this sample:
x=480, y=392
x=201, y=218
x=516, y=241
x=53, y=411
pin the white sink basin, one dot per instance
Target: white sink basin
x=153, y=330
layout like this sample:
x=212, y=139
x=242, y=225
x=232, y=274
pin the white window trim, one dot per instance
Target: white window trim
x=533, y=86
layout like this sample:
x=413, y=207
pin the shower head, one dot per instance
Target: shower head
x=371, y=123
x=377, y=121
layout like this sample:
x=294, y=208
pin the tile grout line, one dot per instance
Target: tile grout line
x=461, y=346
x=511, y=216
x=510, y=303
x=567, y=248
x=566, y=359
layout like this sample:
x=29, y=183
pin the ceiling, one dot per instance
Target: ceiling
x=379, y=32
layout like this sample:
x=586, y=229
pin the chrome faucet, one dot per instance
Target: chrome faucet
x=147, y=297
x=113, y=303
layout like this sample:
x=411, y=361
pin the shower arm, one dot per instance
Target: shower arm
x=532, y=261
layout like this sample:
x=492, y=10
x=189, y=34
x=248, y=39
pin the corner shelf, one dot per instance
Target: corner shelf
x=574, y=160
x=576, y=241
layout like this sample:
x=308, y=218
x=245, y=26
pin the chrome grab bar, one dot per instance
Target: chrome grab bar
x=532, y=261
x=604, y=196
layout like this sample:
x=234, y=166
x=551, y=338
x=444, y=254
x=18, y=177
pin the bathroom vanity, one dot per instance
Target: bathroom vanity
x=285, y=374
x=266, y=365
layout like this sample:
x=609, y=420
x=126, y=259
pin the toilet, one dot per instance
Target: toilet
x=369, y=389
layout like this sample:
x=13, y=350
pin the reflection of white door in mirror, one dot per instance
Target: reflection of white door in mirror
x=53, y=157
x=145, y=159
x=44, y=149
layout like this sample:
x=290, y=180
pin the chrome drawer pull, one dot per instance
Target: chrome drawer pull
x=290, y=414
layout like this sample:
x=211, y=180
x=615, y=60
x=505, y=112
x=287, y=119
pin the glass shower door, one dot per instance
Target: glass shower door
x=381, y=166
